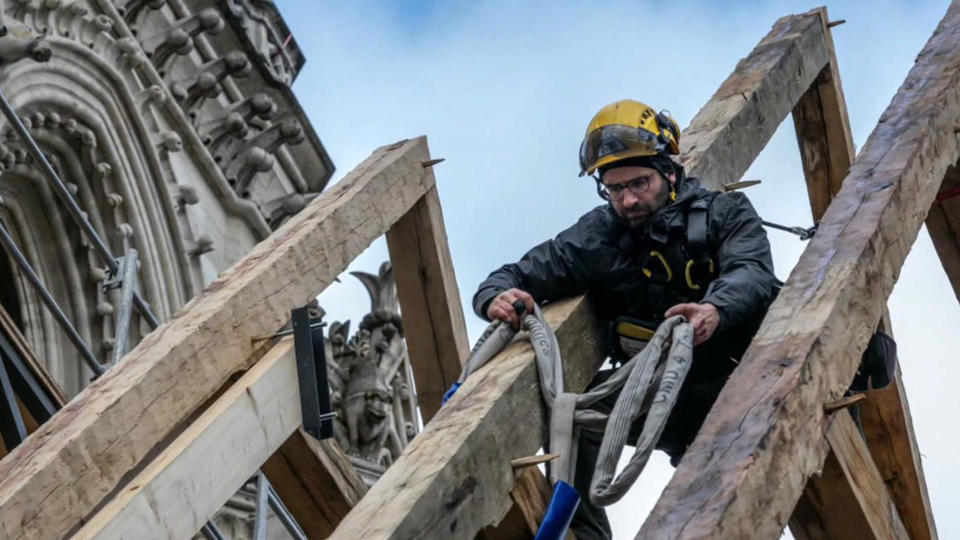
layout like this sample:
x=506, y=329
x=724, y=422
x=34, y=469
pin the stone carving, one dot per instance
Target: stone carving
x=140, y=100
x=178, y=39
x=256, y=154
x=370, y=381
x=205, y=82
x=13, y=49
x=281, y=208
x=259, y=22
x=129, y=9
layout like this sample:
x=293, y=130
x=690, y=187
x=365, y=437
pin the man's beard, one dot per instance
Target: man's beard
x=640, y=213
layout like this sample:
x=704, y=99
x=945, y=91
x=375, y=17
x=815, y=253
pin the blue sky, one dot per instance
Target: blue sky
x=504, y=91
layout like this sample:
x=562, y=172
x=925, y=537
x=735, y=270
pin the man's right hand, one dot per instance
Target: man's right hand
x=501, y=307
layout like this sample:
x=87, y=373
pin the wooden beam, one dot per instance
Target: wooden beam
x=433, y=323
x=888, y=426
x=455, y=477
x=45, y=384
x=22, y=347
x=850, y=486
x=195, y=474
x=316, y=482
x=808, y=347
x=823, y=129
x=741, y=117
x=52, y=481
x=718, y=147
x=943, y=224
x=827, y=151
x=531, y=495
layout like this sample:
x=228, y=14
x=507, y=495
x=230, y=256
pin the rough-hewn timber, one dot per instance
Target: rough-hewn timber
x=808, y=347
x=54, y=479
x=827, y=151
x=433, y=323
x=848, y=499
x=455, y=477
x=740, y=119
x=315, y=481
x=733, y=127
x=888, y=426
x=197, y=472
x=943, y=224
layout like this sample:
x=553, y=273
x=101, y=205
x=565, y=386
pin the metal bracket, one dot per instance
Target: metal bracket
x=126, y=279
x=114, y=279
x=312, y=373
x=803, y=233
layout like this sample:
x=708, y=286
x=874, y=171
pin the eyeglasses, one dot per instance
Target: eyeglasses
x=637, y=186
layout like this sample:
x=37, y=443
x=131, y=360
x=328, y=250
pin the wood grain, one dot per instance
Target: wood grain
x=733, y=127
x=848, y=499
x=52, y=481
x=827, y=151
x=455, y=477
x=807, y=349
x=433, y=322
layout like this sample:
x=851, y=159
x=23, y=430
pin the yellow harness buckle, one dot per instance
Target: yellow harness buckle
x=634, y=331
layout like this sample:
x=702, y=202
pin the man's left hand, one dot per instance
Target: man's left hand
x=704, y=318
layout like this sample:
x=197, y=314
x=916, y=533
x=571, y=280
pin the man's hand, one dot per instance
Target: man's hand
x=704, y=318
x=502, y=306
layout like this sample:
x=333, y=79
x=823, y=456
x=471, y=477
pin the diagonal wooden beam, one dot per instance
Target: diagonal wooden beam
x=943, y=224
x=888, y=427
x=807, y=349
x=531, y=496
x=195, y=474
x=848, y=499
x=38, y=394
x=88, y=450
x=455, y=477
x=827, y=151
x=315, y=480
x=433, y=323
x=733, y=127
x=823, y=129
x=436, y=488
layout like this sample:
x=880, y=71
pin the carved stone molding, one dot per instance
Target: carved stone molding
x=371, y=380
x=259, y=23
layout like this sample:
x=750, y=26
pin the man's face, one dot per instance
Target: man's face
x=636, y=193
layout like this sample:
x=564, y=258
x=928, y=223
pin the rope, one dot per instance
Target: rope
x=650, y=385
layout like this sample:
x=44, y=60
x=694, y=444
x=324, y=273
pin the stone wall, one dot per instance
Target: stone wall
x=174, y=125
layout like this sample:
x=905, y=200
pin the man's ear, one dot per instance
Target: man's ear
x=672, y=178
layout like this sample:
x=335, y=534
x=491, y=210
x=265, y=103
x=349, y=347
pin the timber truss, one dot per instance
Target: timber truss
x=159, y=443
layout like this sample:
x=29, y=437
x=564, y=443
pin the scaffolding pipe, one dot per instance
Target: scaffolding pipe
x=78, y=214
x=48, y=299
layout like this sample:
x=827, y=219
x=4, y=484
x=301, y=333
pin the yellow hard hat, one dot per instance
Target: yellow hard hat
x=627, y=129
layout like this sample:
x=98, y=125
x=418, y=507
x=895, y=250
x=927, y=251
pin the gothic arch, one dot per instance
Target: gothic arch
x=83, y=116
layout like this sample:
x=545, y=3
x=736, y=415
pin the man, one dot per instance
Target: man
x=660, y=246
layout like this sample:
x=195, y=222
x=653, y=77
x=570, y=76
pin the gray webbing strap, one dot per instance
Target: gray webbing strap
x=650, y=385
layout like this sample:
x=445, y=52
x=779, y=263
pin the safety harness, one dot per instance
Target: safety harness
x=678, y=272
x=649, y=383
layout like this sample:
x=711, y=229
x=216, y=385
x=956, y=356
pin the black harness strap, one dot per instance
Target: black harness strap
x=697, y=245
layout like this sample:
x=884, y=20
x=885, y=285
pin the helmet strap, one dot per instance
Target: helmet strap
x=600, y=192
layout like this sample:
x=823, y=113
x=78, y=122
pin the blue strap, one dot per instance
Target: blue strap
x=556, y=521
x=449, y=393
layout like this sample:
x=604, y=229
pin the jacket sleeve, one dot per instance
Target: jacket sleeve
x=746, y=284
x=553, y=270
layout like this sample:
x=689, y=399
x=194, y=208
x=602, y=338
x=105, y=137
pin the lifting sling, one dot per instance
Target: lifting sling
x=649, y=383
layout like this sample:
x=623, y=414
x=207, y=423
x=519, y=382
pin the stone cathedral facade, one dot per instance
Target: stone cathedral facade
x=174, y=125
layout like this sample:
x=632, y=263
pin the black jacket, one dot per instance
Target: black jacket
x=602, y=257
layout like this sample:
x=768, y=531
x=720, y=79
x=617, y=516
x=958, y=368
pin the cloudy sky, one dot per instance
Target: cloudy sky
x=504, y=90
